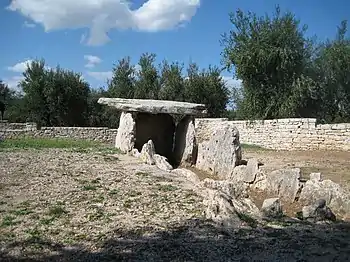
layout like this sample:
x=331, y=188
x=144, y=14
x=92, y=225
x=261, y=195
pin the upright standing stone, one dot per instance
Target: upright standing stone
x=185, y=141
x=125, y=139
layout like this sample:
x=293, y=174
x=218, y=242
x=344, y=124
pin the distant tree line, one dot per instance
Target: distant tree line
x=283, y=73
x=60, y=97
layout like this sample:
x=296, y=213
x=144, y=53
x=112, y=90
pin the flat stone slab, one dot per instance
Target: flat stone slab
x=154, y=106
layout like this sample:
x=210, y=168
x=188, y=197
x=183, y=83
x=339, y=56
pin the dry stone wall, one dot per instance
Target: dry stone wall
x=101, y=134
x=284, y=134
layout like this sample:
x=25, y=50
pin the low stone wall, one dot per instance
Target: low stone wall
x=285, y=134
x=101, y=134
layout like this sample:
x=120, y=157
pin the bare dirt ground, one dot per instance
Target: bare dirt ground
x=332, y=164
x=64, y=205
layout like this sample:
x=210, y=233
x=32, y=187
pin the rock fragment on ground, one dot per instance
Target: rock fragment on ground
x=272, y=208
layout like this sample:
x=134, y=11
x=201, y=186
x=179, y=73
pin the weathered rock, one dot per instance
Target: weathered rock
x=285, y=183
x=188, y=174
x=316, y=176
x=272, y=208
x=229, y=212
x=162, y=162
x=338, y=198
x=252, y=170
x=135, y=153
x=154, y=106
x=232, y=189
x=125, y=138
x=147, y=153
x=318, y=212
x=243, y=173
x=185, y=142
x=221, y=152
x=260, y=182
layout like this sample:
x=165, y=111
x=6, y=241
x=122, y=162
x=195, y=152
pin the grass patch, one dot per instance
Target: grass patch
x=89, y=187
x=42, y=143
x=57, y=211
x=8, y=221
x=167, y=188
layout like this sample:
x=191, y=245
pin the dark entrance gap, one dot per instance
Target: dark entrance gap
x=160, y=128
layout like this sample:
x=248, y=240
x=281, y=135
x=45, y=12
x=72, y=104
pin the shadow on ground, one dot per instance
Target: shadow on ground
x=197, y=240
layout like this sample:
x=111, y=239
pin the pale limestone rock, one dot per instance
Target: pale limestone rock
x=188, y=174
x=125, y=138
x=135, y=153
x=272, y=208
x=260, y=182
x=284, y=183
x=185, y=141
x=227, y=211
x=252, y=170
x=337, y=197
x=154, y=106
x=244, y=173
x=233, y=189
x=316, y=176
x=220, y=152
x=147, y=153
x=315, y=213
x=162, y=162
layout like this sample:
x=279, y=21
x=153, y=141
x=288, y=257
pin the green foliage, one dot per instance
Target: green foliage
x=147, y=80
x=55, y=97
x=285, y=74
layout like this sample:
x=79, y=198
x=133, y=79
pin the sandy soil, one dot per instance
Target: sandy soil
x=59, y=205
x=332, y=165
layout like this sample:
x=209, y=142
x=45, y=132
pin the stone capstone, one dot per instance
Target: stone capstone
x=154, y=106
x=125, y=138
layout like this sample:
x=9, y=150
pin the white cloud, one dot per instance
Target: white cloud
x=232, y=82
x=20, y=67
x=28, y=24
x=100, y=76
x=92, y=60
x=13, y=82
x=100, y=16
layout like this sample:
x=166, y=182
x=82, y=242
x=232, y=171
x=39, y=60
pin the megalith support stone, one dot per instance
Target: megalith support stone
x=185, y=142
x=219, y=151
x=125, y=139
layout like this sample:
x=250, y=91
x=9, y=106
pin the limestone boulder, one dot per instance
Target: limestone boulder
x=125, y=139
x=229, y=212
x=284, y=183
x=147, y=153
x=272, y=208
x=337, y=198
x=318, y=212
x=219, y=151
x=162, y=162
x=233, y=189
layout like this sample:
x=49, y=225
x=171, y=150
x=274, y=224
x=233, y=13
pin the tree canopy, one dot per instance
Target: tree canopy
x=284, y=73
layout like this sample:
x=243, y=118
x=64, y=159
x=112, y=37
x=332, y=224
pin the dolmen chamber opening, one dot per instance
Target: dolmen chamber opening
x=165, y=133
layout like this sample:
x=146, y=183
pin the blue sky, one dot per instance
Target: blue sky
x=73, y=33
